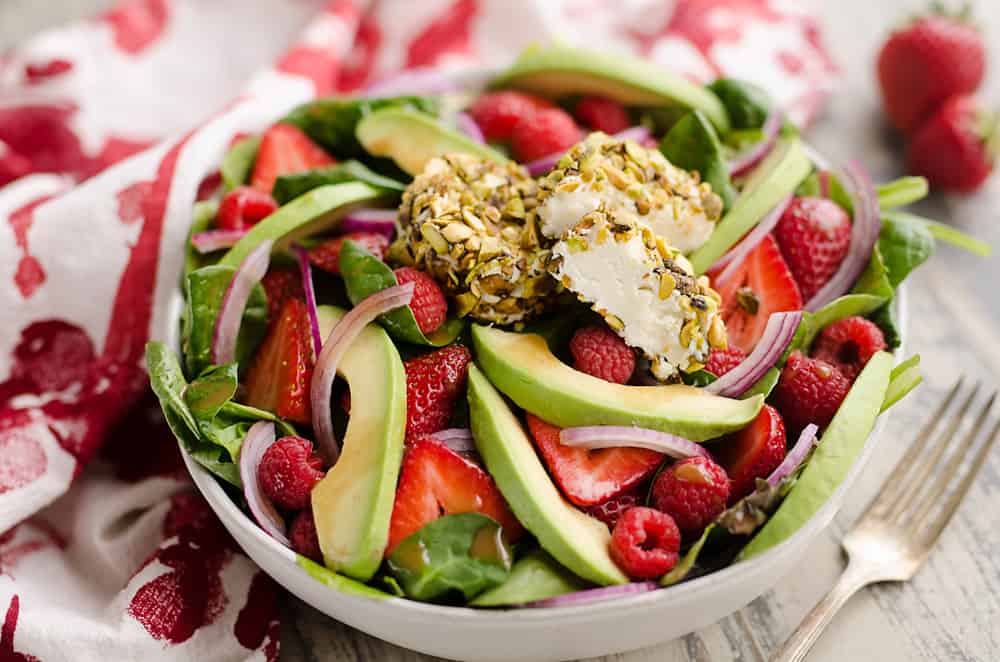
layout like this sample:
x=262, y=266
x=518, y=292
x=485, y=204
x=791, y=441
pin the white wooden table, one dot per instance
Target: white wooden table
x=951, y=611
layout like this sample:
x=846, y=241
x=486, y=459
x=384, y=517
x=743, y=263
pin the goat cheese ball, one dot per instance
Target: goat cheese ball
x=623, y=175
x=643, y=288
x=469, y=223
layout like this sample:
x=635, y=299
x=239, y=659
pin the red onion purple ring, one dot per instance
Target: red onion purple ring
x=234, y=302
x=795, y=457
x=379, y=221
x=734, y=258
x=615, y=436
x=753, y=155
x=259, y=438
x=214, y=240
x=305, y=269
x=778, y=333
x=468, y=126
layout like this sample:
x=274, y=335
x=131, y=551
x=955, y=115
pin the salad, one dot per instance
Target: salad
x=591, y=330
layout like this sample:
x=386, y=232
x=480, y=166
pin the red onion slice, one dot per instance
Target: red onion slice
x=753, y=155
x=591, y=595
x=795, y=457
x=823, y=178
x=337, y=343
x=541, y=166
x=259, y=438
x=457, y=439
x=305, y=269
x=778, y=333
x=614, y=436
x=734, y=258
x=214, y=240
x=867, y=224
x=234, y=302
x=468, y=126
x=379, y=221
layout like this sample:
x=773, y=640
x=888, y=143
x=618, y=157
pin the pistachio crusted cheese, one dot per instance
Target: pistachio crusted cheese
x=643, y=288
x=673, y=202
x=469, y=223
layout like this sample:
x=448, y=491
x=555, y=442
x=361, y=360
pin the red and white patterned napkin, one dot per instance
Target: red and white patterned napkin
x=106, y=553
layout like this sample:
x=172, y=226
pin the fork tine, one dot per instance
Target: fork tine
x=954, y=501
x=918, y=476
x=890, y=493
x=946, y=477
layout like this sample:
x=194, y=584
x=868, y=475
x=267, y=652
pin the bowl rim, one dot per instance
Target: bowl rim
x=226, y=509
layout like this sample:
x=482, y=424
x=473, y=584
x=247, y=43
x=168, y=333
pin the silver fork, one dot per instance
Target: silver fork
x=896, y=534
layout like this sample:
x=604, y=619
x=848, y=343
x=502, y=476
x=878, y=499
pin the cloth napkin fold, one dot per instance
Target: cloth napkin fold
x=106, y=552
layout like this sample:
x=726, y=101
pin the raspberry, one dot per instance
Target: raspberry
x=433, y=383
x=428, y=304
x=544, y=133
x=809, y=391
x=693, y=491
x=302, y=534
x=602, y=114
x=645, y=543
x=244, y=207
x=813, y=235
x=281, y=284
x=611, y=510
x=288, y=472
x=849, y=344
x=753, y=452
x=599, y=352
x=496, y=113
x=326, y=256
x=721, y=361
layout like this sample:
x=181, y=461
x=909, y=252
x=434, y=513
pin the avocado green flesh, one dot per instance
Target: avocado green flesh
x=524, y=369
x=777, y=177
x=353, y=503
x=313, y=212
x=839, y=447
x=535, y=577
x=573, y=538
x=411, y=139
x=338, y=582
x=561, y=71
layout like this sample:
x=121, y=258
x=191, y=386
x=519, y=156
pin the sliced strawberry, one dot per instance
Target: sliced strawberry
x=279, y=376
x=588, y=478
x=326, y=256
x=436, y=481
x=285, y=150
x=753, y=452
x=281, y=284
x=762, y=285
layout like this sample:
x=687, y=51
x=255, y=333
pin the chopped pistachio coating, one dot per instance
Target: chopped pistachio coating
x=624, y=175
x=644, y=289
x=469, y=223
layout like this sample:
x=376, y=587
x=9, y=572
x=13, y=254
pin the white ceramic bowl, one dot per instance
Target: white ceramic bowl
x=462, y=633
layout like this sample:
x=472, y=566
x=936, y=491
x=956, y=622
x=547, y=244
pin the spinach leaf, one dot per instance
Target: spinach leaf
x=885, y=319
x=464, y=553
x=238, y=162
x=289, y=187
x=955, y=237
x=535, y=577
x=901, y=192
x=764, y=385
x=204, y=290
x=364, y=275
x=331, y=121
x=168, y=385
x=843, y=307
x=748, y=105
x=202, y=215
x=210, y=457
x=216, y=386
x=692, y=144
x=700, y=378
x=904, y=378
x=904, y=244
x=686, y=563
x=875, y=278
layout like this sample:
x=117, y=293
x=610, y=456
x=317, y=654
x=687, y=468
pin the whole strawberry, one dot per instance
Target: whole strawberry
x=496, y=113
x=433, y=383
x=693, y=491
x=809, y=391
x=956, y=148
x=927, y=61
x=544, y=133
x=813, y=236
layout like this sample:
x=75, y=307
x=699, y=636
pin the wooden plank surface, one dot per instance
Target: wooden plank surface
x=951, y=611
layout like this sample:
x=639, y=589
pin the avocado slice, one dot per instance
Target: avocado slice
x=522, y=366
x=560, y=71
x=411, y=138
x=308, y=214
x=575, y=539
x=778, y=176
x=353, y=503
x=834, y=456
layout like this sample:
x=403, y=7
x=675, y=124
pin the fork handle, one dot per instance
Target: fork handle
x=812, y=626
